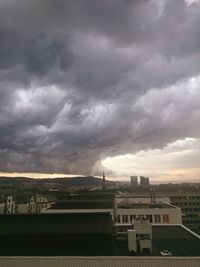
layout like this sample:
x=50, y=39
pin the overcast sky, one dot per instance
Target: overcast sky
x=86, y=83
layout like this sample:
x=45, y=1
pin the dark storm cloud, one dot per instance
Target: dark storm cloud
x=82, y=80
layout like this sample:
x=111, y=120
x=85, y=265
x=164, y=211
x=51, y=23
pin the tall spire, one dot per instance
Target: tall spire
x=104, y=181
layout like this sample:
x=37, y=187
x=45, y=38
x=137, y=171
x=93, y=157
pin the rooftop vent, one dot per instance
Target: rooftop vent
x=165, y=252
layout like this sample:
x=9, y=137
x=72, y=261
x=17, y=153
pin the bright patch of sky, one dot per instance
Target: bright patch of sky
x=177, y=160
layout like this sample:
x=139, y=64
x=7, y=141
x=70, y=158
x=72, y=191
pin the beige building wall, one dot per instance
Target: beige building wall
x=99, y=261
x=22, y=208
x=158, y=215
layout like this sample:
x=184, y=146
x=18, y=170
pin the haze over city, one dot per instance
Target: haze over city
x=93, y=85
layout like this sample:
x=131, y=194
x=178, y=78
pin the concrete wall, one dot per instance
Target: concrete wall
x=99, y=261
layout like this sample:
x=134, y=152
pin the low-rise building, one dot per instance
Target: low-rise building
x=122, y=209
x=41, y=202
x=89, y=202
x=25, y=205
x=156, y=213
x=7, y=204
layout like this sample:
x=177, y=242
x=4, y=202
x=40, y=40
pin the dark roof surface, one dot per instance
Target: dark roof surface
x=174, y=238
x=56, y=224
x=92, y=196
x=85, y=234
x=83, y=204
x=86, y=200
x=56, y=235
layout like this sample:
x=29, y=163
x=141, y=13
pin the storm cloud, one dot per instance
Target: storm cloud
x=84, y=80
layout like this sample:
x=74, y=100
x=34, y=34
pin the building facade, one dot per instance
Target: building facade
x=134, y=181
x=7, y=204
x=144, y=180
x=190, y=206
x=156, y=214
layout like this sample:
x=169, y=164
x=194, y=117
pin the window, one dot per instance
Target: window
x=165, y=218
x=144, y=237
x=157, y=218
x=118, y=219
x=125, y=218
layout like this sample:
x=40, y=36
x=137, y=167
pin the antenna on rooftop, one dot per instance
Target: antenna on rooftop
x=154, y=196
x=151, y=196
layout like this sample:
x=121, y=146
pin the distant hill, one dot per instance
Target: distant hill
x=73, y=181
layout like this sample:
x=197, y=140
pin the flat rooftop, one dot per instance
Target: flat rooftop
x=84, y=204
x=96, y=195
x=56, y=235
x=175, y=238
x=85, y=200
x=137, y=196
x=89, y=234
x=75, y=223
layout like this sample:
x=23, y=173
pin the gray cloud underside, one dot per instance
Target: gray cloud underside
x=82, y=80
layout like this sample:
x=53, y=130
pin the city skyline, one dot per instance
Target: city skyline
x=108, y=85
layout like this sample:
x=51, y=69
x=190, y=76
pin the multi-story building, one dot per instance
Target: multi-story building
x=134, y=182
x=123, y=208
x=190, y=206
x=162, y=213
x=157, y=209
x=144, y=180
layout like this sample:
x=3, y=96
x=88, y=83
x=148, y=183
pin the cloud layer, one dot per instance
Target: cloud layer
x=84, y=80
